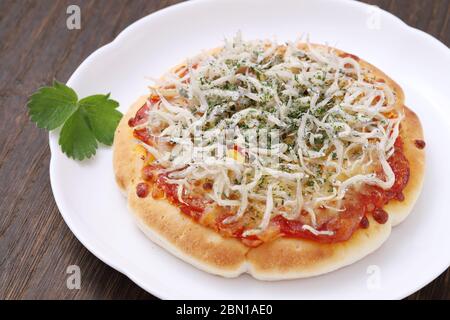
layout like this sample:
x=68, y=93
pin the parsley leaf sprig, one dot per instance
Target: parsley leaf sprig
x=84, y=122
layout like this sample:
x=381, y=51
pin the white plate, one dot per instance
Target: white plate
x=91, y=204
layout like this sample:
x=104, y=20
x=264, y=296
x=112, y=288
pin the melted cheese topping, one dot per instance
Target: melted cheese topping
x=276, y=129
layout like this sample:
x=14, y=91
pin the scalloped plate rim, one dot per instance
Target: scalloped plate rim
x=116, y=42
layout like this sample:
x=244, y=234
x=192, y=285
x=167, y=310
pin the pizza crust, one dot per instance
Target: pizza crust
x=410, y=131
x=288, y=258
x=200, y=246
x=125, y=160
x=283, y=258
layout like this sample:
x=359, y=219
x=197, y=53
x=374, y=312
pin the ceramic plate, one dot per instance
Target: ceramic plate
x=417, y=251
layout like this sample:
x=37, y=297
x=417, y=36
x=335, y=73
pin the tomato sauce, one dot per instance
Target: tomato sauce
x=142, y=114
x=142, y=190
x=370, y=200
x=145, y=136
x=140, y=117
x=349, y=55
x=193, y=206
x=420, y=144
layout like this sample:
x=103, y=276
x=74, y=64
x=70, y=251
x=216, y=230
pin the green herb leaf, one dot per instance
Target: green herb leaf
x=94, y=118
x=102, y=116
x=50, y=107
x=76, y=138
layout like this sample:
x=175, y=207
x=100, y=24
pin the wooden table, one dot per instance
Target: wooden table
x=36, y=246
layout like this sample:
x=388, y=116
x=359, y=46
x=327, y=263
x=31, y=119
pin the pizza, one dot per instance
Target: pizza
x=280, y=160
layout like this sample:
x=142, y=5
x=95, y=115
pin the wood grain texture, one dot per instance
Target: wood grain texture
x=36, y=246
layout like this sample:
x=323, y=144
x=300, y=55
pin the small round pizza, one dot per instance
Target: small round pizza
x=278, y=160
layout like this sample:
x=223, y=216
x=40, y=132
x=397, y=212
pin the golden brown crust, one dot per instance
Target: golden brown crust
x=282, y=258
x=287, y=258
x=126, y=164
x=190, y=241
x=410, y=131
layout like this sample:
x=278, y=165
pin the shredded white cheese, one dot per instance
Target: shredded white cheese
x=291, y=127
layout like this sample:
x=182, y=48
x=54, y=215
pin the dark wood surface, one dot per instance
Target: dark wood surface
x=36, y=246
